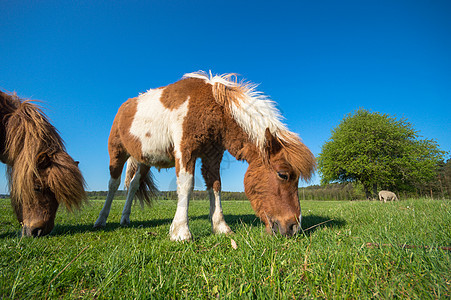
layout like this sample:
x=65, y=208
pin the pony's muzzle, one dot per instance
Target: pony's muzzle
x=34, y=231
x=288, y=229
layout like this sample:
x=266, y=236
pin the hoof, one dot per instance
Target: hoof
x=219, y=226
x=125, y=222
x=99, y=224
x=223, y=229
x=180, y=233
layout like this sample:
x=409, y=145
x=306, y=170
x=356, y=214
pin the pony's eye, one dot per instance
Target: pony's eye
x=283, y=175
x=38, y=189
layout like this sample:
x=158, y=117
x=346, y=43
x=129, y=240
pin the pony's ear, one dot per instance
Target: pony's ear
x=77, y=162
x=272, y=144
x=43, y=161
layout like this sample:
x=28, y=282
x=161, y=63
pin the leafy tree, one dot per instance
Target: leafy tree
x=378, y=151
x=441, y=186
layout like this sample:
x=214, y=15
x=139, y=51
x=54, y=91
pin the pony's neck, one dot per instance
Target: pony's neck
x=238, y=144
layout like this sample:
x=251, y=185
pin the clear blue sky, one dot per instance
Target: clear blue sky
x=319, y=60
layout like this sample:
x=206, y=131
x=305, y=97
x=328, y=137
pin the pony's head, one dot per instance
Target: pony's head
x=57, y=180
x=271, y=182
x=41, y=174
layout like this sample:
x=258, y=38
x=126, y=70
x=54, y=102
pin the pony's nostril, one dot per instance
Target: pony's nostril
x=285, y=229
x=275, y=227
x=290, y=229
x=278, y=228
x=36, y=232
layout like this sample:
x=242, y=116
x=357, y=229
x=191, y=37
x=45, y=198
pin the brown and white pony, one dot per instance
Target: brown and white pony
x=40, y=172
x=201, y=116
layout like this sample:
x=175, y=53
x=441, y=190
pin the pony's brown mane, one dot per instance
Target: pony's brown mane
x=30, y=138
x=255, y=112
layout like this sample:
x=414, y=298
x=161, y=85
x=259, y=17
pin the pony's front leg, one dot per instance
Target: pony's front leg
x=113, y=185
x=179, y=230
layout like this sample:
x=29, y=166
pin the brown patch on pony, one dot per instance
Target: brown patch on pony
x=176, y=94
x=203, y=126
x=211, y=162
x=121, y=143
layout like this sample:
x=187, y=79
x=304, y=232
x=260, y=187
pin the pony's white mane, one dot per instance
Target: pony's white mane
x=251, y=109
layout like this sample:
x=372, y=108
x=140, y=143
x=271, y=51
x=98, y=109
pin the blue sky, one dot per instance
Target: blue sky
x=319, y=60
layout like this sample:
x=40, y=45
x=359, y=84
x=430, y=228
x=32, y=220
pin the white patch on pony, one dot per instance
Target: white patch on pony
x=255, y=111
x=218, y=223
x=158, y=128
x=179, y=230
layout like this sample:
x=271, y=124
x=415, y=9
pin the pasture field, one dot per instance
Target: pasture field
x=347, y=250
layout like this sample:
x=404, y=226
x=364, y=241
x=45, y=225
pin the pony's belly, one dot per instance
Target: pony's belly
x=159, y=160
x=156, y=148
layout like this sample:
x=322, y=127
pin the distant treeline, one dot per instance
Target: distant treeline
x=440, y=188
x=172, y=195
x=329, y=192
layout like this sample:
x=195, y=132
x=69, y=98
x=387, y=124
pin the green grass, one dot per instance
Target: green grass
x=362, y=250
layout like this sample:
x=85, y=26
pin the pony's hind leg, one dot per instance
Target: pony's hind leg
x=133, y=187
x=118, y=157
x=218, y=224
x=211, y=174
x=113, y=185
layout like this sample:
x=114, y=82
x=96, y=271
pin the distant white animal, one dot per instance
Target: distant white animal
x=387, y=196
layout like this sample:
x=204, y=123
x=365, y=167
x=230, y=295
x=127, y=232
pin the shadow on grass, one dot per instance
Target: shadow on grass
x=232, y=220
x=310, y=224
x=12, y=233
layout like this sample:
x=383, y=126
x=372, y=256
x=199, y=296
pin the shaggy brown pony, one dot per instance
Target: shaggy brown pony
x=40, y=172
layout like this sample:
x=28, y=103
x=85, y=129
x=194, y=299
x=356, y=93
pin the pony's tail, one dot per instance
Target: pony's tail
x=147, y=190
